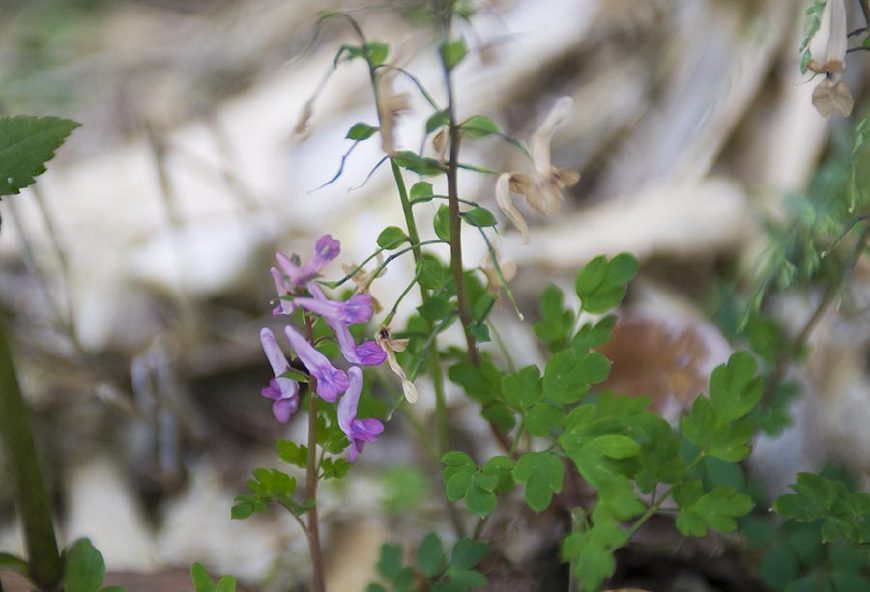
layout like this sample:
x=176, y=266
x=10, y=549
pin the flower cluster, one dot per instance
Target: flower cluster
x=297, y=289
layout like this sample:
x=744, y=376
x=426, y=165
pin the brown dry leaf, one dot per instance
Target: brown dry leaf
x=653, y=359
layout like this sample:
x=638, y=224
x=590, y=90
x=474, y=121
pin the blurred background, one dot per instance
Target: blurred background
x=136, y=272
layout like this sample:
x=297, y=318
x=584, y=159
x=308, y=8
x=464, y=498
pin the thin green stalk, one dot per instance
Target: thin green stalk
x=434, y=354
x=318, y=583
x=456, y=221
x=45, y=567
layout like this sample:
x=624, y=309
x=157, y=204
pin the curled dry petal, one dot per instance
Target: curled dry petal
x=508, y=270
x=390, y=106
x=506, y=204
x=391, y=346
x=831, y=98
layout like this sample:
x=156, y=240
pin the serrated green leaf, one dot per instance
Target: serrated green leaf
x=570, y=374
x=735, y=390
x=543, y=474
x=522, y=389
x=593, y=335
x=715, y=510
x=292, y=453
x=26, y=144
x=601, y=284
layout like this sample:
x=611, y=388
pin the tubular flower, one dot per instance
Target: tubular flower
x=358, y=431
x=391, y=346
x=338, y=315
x=330, y=380
x=390, y=105
x=294, y=276
x=543, y=189
x=827, y=52
x=283, y=391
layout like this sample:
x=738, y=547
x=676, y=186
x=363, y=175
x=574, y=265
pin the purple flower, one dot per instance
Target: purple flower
x=283, y=391
x=358, y=431
x=296, y=275
x=284, y=406
x=330, y=380
x=338, y=315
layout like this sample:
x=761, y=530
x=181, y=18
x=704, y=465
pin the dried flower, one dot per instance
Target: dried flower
x=390, y=106
x=543, y=189
x=508, y=270
x=828, y=46
x=391, y=346
x=831, y=98
x=358, y=431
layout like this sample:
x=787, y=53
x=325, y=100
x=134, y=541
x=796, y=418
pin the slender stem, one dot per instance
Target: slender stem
x=434, y=355
x=779, y=370
x=456, y=222
x=45, y=567
x=312, y=532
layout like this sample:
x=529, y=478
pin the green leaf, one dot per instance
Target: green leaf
x=479, y=126
x=360, y=131
x=437, y=120
x=616, y=446
x=543, y=474
x=226, y=584
x=436, y=308
x=601, y=284
x=556, y=322
x=442, y=223
x=431, y=558
x=391, y=237
x=593, y=335
x=85, y=568
x=735, y=390
x=452, y=52
x=26, y=144
x=544, y=418
x=570, y=374
x=417, y=164
x=479, y=217
x=468, y=553
x=433, y=275
x=335, y=468
x=421, y=192
x=715, y=510
x=405, y=487
x=116, y=589
x=467, y=579
x=292, y=453
x=376, y=53
x=522, y=389
x=390, y=562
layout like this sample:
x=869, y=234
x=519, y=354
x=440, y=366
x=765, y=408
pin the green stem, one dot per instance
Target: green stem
x=456, y=224
x=45, y=567
x=434, y=354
